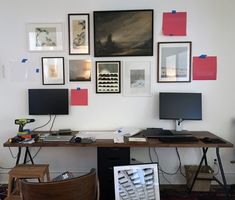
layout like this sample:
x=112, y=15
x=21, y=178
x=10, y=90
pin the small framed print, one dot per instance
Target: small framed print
x=79, y=70
x=108, y=77
x=45, y=36
x=53, y=71
x=137, y=78
x=79, y=34
x=174, y=62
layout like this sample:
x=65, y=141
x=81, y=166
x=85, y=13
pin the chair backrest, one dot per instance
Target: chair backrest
x=79, y=188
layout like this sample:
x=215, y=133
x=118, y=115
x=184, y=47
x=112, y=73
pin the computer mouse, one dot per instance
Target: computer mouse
x=77, y=139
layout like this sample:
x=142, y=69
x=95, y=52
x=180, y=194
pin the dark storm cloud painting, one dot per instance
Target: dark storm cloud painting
x=123, y=33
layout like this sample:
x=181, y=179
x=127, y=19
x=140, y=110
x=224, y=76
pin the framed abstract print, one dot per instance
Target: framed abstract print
x=108, y=76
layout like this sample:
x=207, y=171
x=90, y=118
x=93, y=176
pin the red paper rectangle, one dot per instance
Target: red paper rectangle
x=79, y=97
x=205, y=68
x=174, y=23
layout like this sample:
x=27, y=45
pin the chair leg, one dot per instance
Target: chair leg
x=10, y=184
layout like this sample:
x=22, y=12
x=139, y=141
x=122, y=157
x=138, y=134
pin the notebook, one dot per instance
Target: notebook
x=51, y=138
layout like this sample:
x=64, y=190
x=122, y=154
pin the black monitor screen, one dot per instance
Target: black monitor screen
x=185, y=106
x=48, y=101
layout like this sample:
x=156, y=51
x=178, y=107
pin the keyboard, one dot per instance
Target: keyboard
x=159, y=132
x=179, y=139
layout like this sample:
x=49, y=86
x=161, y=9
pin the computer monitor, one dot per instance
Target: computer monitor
x=48, y=102
x=180, y=106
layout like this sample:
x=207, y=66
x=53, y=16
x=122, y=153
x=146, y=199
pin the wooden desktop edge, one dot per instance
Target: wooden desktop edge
x=149, y=143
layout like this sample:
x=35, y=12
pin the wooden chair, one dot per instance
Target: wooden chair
x=83, y=188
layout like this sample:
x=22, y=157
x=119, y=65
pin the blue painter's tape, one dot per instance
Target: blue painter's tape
x=202, y=56
x=173, y=11
x=24, y=60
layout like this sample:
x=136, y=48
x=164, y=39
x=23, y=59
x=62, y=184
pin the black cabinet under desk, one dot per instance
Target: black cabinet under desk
x=108, y=157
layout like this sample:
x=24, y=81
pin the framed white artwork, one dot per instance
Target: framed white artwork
x=137, y=78
x=45, y=36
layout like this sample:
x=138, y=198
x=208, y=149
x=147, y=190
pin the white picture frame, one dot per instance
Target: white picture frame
x=137, y=78
x=45, y=37
x=136, y=182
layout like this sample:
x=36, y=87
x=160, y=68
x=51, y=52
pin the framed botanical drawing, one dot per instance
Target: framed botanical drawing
x=53, y=71
x=137, y=78
x=174, y=62
x=79, y=70
x=136, y=182
x=45, y=36
x=123, y=33
x=108, y=76
x=79, y=34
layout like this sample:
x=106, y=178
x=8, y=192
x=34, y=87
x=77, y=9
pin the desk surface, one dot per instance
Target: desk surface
x=150, y=143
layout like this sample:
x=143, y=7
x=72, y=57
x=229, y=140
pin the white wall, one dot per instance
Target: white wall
x=211, y=30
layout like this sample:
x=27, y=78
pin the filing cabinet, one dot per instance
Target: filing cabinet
x=108, y=157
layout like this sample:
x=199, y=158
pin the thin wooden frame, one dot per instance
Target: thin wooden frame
x=79, y=70
x=53, y=71
x=123, y=33
x=137, y=78
x=45, y=36
x=79, y=34
x=174, y=62
x=108, y=76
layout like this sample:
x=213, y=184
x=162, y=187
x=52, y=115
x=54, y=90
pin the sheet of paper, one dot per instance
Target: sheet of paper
x=205, y=68
x=174, y=24
x=79, y=97
x=98, y=134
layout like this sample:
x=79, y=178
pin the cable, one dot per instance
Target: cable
x=180, y=164
x=34, y=156
x=43, y=124
x=14, y=157
x=52, y=123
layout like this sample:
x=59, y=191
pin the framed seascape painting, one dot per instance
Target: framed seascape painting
x=137, y=78
x=53, y=71
x=79, y=34
x=79, y=70
x=108, y=77
x=123, y=33
x=174, y=62
x=136, y=182
x=45, y=36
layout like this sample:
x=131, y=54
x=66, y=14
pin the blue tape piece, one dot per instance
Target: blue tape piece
x=173, y=11
x=202, y=56
x=37, y=70
x=24, y=60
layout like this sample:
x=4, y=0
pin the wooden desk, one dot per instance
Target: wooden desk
x=149, y=143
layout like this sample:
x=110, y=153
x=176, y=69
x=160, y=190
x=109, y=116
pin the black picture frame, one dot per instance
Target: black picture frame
x=123, y=33
x=108, y=77
x=53, y=71
x=174, y=62
x=79, y=33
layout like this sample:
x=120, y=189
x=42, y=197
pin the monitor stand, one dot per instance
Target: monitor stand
x=179, y=125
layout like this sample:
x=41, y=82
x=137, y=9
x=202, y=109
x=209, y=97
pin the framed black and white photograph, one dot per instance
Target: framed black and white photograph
x=137, y=78
x=108, y=76
x=79, y=34
x=174, y=62
x=123, y=33
x=79, y=70
x=53, y=71
x=136, y=182
x=45, y=36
